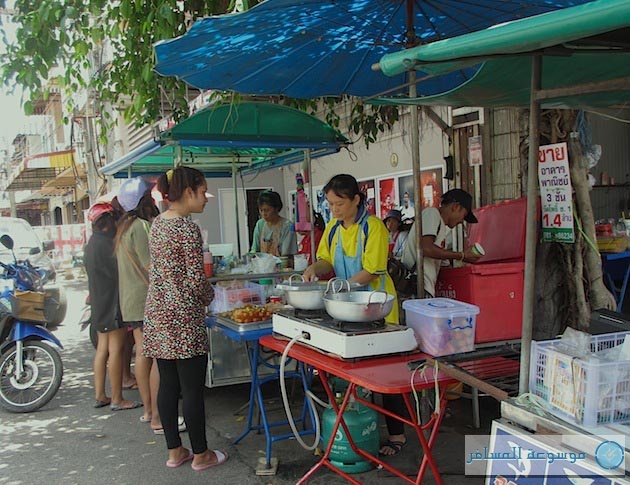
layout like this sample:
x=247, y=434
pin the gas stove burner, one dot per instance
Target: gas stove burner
x=358, y=326
x=307, y=314
x=347, y=340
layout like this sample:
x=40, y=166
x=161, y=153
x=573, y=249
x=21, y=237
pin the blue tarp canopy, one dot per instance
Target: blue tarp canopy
x=313, y=48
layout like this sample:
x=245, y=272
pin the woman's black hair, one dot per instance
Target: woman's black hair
x=174, y=183
x=270, y=198
x=105, y=224
x=346, y=186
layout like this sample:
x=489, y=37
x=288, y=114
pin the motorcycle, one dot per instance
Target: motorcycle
x=30, y=366
x=86, y=322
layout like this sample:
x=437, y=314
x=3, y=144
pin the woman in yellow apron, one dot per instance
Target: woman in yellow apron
x=354, y=243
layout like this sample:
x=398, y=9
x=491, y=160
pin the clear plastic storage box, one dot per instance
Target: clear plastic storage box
x=442, y=326
x=239, y=294
x=590, y=391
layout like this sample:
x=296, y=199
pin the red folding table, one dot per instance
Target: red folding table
x=385, y=375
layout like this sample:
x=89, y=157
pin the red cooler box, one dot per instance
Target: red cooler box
x=496, y=288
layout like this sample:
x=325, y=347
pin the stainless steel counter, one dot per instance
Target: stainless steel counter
x=252, y=276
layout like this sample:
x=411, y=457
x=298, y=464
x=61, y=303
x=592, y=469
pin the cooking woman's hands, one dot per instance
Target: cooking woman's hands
x=317, y=268
x=310, y=273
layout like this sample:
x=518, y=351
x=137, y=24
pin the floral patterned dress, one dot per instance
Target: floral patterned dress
x=174, y=316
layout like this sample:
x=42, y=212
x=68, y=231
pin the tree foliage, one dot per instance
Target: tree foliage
x=62, y=43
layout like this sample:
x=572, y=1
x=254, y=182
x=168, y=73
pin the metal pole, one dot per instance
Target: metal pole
x=307, y=157
x=238, y=228
x=417, y=197
x=415, y=152
x=532, y=223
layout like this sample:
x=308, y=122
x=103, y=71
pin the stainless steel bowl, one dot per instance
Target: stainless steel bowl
x=308, y=295
x=359, y=306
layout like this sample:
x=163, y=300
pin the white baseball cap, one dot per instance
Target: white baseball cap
x=131, y=191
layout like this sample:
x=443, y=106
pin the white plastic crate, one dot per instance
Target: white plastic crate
x=583, y=390
x=227, y=298
x=442, y=326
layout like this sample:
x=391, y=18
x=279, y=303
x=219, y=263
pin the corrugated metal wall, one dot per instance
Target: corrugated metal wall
x=506, y=174
x=609, y=201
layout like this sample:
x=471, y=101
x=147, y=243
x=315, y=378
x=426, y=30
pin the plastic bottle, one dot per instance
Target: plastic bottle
x=207, y=261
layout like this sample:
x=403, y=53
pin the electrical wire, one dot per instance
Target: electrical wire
x=422, y=368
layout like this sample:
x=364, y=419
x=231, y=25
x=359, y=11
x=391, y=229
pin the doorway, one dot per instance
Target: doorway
x=247, y=215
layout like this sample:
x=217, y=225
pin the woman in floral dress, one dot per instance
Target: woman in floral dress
x=174, y=321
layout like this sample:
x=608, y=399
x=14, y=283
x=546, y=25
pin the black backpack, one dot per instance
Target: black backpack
x=405, y=281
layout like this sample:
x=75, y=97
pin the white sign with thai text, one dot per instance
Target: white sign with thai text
x=555, y=193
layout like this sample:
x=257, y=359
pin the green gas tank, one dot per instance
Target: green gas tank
x=362, y=423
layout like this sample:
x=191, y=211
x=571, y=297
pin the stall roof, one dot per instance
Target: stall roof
x=253, y=135
x=588, y=43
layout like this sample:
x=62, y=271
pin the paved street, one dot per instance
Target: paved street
x=69, y=442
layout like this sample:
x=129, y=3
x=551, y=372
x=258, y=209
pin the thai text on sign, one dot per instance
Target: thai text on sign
x=555, y=193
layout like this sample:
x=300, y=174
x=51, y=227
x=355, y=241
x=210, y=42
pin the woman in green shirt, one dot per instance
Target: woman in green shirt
x=273, y=233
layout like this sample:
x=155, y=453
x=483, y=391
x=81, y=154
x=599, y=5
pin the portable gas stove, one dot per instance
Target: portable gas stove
x=348, y=340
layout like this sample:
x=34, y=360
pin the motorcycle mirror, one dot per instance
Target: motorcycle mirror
x=34, y=250
x=7, y=241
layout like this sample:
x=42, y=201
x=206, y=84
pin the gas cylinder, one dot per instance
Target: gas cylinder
x=362, y=423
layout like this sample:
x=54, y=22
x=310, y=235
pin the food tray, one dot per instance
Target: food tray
x=243, y=327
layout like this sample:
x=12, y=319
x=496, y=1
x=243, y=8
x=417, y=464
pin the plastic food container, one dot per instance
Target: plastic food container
x=442, y=326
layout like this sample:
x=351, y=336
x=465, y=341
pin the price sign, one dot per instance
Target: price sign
x=555, y=193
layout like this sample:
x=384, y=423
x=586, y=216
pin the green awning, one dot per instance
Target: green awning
x=249, y=135
x=589, y=43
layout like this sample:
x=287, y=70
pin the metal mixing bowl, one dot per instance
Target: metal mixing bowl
x=359, y=306
x=308, y=295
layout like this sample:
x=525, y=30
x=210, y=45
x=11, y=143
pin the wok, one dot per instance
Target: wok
x=308, y=295
x=359, y=306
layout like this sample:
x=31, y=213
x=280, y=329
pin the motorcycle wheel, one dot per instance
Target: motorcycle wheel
x=93, y=336
x=39, y=382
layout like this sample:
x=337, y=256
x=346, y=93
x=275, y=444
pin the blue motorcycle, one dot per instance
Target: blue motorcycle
x=30, y=366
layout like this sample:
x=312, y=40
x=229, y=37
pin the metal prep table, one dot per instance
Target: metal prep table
x=228, y=359
x=260, y=372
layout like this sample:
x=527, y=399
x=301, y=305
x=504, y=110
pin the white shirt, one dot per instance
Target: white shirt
x=432, y=225
x=407, y=212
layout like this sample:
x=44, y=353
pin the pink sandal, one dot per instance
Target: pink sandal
x=177, y=464
x=222, y=457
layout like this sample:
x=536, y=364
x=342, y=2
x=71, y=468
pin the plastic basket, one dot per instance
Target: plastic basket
x=583, y=390
x=228, y=298
x=612, y=244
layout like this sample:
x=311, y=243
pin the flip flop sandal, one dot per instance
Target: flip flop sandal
x=101, y=404
x=397, y=446
x=118, y=407
x=177, y=464
x=181, y=426
x=222, y=457
x=144, y=420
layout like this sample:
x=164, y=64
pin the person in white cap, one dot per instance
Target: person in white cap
x=132, y=252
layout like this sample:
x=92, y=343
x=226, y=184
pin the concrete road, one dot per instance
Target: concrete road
x=69, y=442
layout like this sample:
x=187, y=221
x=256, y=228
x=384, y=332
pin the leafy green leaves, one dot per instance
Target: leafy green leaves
x=69, y=41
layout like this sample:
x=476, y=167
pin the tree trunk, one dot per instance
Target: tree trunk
x=599, y=295
x=569, y=281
